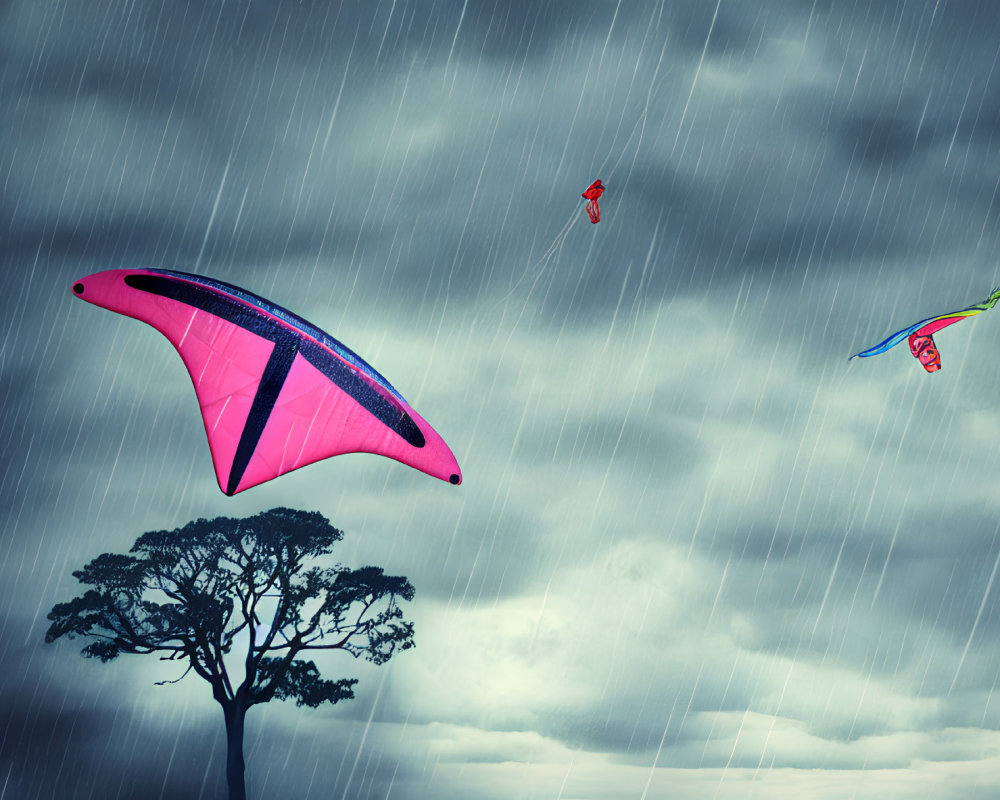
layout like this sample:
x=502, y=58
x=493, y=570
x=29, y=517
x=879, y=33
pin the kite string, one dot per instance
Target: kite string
x=539, y=267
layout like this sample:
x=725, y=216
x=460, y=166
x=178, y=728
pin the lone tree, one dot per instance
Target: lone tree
x=196, y=593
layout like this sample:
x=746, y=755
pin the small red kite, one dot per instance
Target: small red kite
x=592, y=194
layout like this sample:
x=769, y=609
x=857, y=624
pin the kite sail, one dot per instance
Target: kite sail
x=592, y=195
x=276, y=393
x=921, y=334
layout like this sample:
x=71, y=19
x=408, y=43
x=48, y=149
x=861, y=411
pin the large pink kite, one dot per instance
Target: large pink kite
x=276, y=393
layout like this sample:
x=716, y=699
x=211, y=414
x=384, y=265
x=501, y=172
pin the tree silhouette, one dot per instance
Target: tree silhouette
x=190, y=593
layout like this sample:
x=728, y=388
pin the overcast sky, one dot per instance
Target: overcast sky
x=696, y=553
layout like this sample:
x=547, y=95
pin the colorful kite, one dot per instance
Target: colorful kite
x=921, y=334
x=276, y=393
x=592, y=195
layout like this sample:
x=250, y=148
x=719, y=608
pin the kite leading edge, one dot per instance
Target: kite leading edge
x=920, y=335
x=276, y=393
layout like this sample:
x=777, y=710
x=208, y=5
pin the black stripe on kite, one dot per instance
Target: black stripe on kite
x=275, y=372
x=286, y=344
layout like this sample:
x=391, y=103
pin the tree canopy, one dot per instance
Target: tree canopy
x=243, y=586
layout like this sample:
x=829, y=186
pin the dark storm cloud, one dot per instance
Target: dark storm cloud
x=150, y=83
x=77, y=745
x=192, y=81
x=163, y=228
x=124, y=238
x=869, y=161
x=693, y=207
x=69, y=741
x=887, y=139
x=58, y=753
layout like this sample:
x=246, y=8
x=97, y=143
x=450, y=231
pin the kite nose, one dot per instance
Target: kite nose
x=78, y=288
x=455, y=479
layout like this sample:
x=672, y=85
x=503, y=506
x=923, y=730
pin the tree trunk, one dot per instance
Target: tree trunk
x=235, y=766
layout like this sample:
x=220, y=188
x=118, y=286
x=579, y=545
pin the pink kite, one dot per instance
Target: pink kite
x=276, y=393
